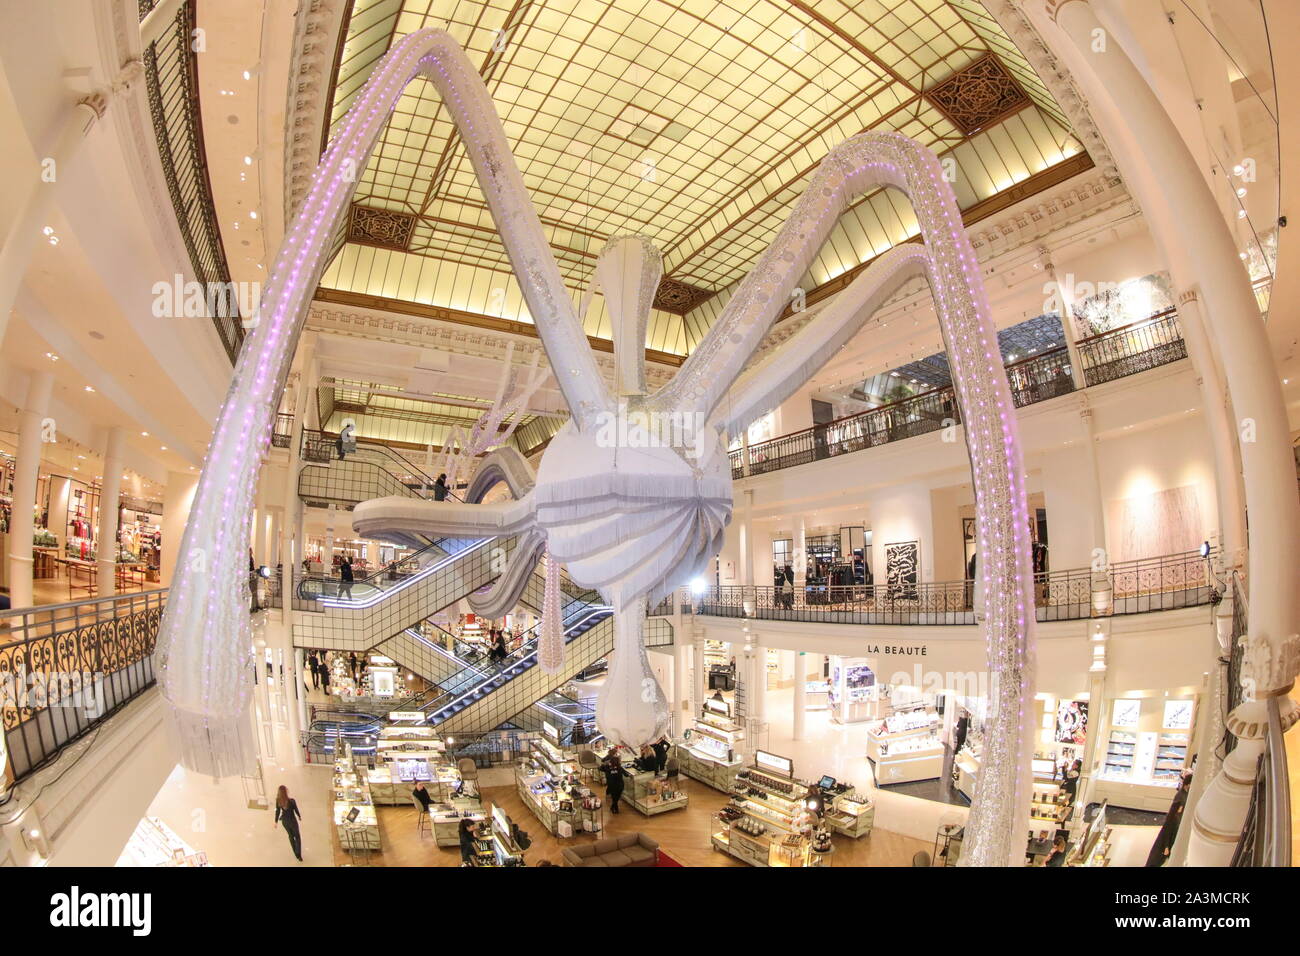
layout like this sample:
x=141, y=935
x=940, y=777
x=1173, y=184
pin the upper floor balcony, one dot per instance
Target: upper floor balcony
x=1114, y=354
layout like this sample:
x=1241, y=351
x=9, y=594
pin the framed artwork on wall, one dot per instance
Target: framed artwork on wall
x=903, y=569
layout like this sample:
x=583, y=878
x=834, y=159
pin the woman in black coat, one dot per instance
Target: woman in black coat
x=286, y=812
x=613, y=769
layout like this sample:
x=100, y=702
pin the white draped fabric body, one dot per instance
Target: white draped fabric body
x=632, y=515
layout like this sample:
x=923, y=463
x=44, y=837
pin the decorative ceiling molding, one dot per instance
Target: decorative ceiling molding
x=1017, y=26
x=384, y=228
x=1028, y=225
x=445, y=332
x=679, y=297
x=978, y=95
x=317, y=31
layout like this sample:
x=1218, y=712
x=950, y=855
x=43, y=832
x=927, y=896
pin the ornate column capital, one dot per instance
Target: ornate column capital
x=1269, y=667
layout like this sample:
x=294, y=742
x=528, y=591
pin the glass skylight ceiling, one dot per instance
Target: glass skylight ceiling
x=696, y=123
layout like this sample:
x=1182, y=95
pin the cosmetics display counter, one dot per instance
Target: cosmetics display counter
x=355, y=821
x=404, y=755
x=766, y=824
x=905, y=747
x=1092, y=848
x=446, y=818
x=1146, y=752
x=966, y=770
x=1049, y=806
x=650, y=794
x=853, y=694
x=154, y=843
x=708, y=751
x=849, y=812
x=548, y=784
x=495, y=844
x=817, y=695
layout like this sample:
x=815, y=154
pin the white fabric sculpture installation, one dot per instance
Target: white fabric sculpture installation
x=630, y=512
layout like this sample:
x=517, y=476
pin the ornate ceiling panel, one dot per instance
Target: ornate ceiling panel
x=692, y=121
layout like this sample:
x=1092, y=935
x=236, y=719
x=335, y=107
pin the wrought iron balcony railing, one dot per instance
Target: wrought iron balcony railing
x=1133, y=587
x=66, y=668
x=171, y=82
x=1111, y=355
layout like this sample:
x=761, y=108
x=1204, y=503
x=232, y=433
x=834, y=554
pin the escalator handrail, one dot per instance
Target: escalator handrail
x=518, y=656
x=405, y=582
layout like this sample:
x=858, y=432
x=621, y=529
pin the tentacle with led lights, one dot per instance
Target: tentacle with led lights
x=204, y=645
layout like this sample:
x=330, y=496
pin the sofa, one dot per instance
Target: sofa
x=626, y=849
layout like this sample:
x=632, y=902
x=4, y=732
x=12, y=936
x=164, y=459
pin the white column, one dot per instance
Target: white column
x=699, y=681
x=60, y=492
x=1068, y=325
x=747, y=538
x=36, y=208
x=328, y=558
x=22, y=523
x=109, y=493
x=681, y=684
x=800, y=695
x=801, y=557
x=1190, y=221
x=1218, y=419
x=181, y=486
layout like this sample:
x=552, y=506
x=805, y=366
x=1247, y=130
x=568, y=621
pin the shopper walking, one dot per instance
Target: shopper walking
x=346, y=577
x=613, y=770
x=440, y=488
x=311, y=669
x=352, y=664
x=286, y=812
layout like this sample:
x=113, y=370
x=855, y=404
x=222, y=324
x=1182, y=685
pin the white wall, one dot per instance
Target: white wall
x=901, y=513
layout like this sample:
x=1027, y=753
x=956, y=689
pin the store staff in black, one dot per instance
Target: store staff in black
x=466, y=832
x=959, y=733
x=422, y=795
x=661, y=748
x=286, y=812
x=613, y=769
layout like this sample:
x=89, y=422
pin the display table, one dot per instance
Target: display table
x=718, y=773
x=761, y=825
x=45, y=564
x=446, y=818
x=906, y=747
x=851, y=814
x=650, y=794
x=352, y=792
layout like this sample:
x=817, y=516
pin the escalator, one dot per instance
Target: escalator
x=395, y=598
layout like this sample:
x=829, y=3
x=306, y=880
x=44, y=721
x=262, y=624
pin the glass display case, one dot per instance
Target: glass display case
x=765, y=824
x=905, y=747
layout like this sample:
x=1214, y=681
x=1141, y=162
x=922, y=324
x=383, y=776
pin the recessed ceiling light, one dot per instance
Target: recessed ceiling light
x=51, y=356
x=90, y=388
x=164, y=447
x=248, y=160
x=144, y=434
x=252, y=214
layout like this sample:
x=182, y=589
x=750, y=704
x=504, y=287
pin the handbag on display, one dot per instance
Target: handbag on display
x=564, y=830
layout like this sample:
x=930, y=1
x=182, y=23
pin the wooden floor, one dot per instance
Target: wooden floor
x=682, y=834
